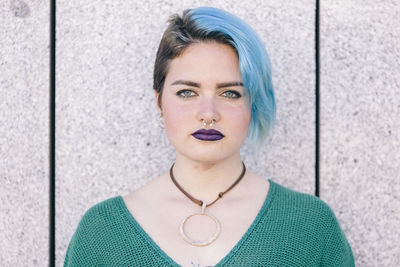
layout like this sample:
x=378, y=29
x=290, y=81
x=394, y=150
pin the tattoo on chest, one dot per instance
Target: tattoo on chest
x=193, y=264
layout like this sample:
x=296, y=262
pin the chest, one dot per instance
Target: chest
x=163, y=227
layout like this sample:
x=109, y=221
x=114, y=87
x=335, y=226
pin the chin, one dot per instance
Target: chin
x=211, y=159
x=208, y=154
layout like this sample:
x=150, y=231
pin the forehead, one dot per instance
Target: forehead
x=211, y=60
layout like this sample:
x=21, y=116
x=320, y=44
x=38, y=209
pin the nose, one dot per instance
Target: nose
x=208, y=112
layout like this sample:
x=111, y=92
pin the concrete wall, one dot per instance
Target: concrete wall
x=360, y=129
x=24, y=124
x=108, y=141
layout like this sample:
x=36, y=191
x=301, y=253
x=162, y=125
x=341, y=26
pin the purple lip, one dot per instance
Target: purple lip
x=208, y=135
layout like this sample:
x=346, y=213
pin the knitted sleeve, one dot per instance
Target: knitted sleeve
x=337, y=251
x=83, y=247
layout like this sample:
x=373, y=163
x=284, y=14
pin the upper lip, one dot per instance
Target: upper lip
x=210, y=131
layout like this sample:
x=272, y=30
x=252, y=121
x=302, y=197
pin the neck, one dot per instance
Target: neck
x=204, y=180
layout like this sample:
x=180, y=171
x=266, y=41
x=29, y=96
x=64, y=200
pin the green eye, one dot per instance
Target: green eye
x=231, y=94
x=185, y=93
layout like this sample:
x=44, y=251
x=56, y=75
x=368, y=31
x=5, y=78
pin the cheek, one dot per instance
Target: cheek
x=239, y=116
x=175, y=118
x=238, y=120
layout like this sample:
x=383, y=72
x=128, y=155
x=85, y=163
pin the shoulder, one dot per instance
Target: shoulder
x=101, y=212
x=293, y=196
x=96, y=220
x=312, y=217
x=90, y=232
x=297, y=203
x=305, y=212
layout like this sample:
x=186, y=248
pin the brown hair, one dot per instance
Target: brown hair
x=180, y=33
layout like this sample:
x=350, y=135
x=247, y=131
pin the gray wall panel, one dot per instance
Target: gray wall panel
x=360, y=131
x=24, y=73
x=108, y=141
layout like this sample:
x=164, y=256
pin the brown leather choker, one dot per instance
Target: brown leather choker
x=203, y=207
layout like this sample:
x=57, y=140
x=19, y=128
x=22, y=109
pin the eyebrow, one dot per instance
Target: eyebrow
x=194, y=84
x=229, y=84
x=184, y=82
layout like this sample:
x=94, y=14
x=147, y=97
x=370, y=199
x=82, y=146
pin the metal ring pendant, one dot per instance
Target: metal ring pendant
x=200, y=243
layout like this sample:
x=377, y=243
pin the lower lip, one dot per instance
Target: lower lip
x=208, y=137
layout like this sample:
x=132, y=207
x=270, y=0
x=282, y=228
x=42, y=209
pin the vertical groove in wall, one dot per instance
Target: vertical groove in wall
x=52, y=133
x=317, y=121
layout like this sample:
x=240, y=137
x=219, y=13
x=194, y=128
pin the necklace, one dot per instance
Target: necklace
x=203, y=206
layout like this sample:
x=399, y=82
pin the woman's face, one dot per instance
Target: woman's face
x=204, y=83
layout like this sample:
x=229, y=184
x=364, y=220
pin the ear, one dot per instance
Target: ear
x=157, y=95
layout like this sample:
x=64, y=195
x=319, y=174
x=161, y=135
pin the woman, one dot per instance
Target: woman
x=213, y=90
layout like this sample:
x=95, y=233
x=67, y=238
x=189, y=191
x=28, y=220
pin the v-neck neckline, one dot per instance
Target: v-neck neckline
x=231, y=253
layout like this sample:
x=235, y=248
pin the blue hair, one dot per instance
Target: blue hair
x=209, y=23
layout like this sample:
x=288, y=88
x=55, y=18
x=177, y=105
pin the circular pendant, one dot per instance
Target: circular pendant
x=201, y=243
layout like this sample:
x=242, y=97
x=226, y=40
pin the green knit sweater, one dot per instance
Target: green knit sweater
x=291, y=229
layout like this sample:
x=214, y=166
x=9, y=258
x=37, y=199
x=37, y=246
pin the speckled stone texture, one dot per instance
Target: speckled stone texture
x=360, y=129
x=108, y=141
x=24, y=86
